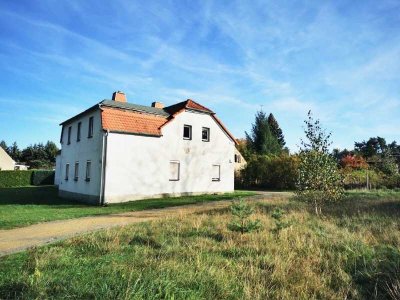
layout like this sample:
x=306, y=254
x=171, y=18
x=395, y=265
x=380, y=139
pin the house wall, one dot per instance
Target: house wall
x=6, y=162
x=139, y=166
x=82, y=151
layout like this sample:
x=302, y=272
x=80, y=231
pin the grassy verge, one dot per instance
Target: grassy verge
x=28, y=205
x=350, y=253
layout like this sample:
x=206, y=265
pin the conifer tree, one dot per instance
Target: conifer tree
x=276, y=130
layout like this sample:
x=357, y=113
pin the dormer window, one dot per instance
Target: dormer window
x=205, y=134
x=187, y=132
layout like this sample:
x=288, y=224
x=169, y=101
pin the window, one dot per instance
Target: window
x=205, y=134
x=78, y=133
x=238, y=159
x=69, y=135
x=174, y=167
x=216, y=172
x=187, y=132
x=88, y=167
x=90, y=131
x=66, y=171
x=62, y=135
x=76, y=175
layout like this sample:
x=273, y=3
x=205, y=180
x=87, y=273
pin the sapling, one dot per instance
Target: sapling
x=241, y=221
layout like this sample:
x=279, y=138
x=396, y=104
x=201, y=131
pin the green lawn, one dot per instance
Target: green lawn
x=28, y=205
x=352, y=252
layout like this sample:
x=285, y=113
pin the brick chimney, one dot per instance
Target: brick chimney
x=119, y=96
x=157, y=105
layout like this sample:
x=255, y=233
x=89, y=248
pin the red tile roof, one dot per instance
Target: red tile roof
x=128, y=121
x=131, y=122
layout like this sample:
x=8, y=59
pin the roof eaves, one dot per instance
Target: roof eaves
x=97, y=105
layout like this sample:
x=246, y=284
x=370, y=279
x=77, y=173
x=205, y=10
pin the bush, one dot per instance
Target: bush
x=271, y=172
x=15, y=178
x=42, y=177
x=25, y=178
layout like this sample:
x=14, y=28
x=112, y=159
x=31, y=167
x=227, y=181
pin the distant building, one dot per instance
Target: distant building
x=240, y=162
x=117, y=151
x=6, y=162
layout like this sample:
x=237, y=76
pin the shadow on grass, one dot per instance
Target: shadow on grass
x=37, y=195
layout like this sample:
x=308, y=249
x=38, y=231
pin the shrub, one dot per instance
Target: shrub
x=241, y=222
x=15, y=178
x=42, y=177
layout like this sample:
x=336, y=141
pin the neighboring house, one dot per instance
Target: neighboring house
x=240, y=162
x=117, y=151
x=21, y=167
x=6, y=162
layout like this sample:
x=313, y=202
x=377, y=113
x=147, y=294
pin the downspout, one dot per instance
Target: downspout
x=103, y=168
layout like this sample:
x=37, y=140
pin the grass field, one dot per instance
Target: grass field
x=28, y=205
x=352, y=252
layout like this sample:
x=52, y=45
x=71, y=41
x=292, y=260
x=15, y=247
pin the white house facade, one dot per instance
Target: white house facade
x=6, y=162
x=116, y=151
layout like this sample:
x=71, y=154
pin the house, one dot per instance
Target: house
x=117, y=151
x=6, y=162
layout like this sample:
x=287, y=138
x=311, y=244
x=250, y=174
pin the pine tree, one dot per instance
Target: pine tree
x=3, y=145
x=14, y=152
x=276, y=130
x=261, y=140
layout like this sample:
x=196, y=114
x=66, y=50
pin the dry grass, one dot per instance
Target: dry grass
x=350, y=253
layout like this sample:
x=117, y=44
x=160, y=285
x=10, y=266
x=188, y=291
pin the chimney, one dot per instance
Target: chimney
x=157, y=105
x=119, y=96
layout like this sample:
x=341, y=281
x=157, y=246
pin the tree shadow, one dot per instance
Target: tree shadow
x=34, y=195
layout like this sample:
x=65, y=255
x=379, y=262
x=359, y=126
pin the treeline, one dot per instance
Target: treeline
x=36, y=156
x=373, y=163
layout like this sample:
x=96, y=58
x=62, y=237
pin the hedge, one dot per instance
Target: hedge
x=25, y=178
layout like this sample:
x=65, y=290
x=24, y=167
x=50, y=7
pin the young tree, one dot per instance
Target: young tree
x=319, y=179
x=276, y=130
x=261, y=140
x=241, y=222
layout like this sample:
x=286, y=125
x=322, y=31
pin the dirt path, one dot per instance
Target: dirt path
x=18, y=239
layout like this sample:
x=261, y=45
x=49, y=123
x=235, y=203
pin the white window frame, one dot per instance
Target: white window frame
x=88, y=170
x=66, y=171
x=208, y=134
x=219, y=173
x=190, y=132
x=179, y=170
x=76, y=171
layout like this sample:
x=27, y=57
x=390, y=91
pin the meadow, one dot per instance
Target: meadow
x=351, y=252
x=22, y=206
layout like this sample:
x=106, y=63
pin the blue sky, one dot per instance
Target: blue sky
x=341, y=59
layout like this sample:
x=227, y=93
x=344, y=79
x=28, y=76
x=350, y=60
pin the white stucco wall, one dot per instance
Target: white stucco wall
x=57, y=175
x=6, y=162
x=139, y=167
x=82, y=151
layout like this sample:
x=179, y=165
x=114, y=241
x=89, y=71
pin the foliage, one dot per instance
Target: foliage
x=261, y=140
x=353, y=162
x=15, y=178
x=276, y=130
x=42, y=177
x=244, y=148
x=278, y=215
x=26, y=178
x=319, y=179
x=241, y=222
x=42, y=204
x=36, y=156
x=353, y=253
x=277, y=172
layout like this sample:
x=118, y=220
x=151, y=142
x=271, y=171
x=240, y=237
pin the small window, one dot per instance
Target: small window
x=90, y=131
x=205, y=134
x=69, y=135
x=88, y=167
x=187, y=132
x=174, y=169
x=78, y=133
x=62, y=135
x=76, y=174
x=238, y=159
x=216, y=172
x=66, y=171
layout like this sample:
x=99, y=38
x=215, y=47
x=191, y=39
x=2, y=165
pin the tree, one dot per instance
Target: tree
x=3, y=145
x=241, y=222
x=276, y=130
x=51, y=151
x=261, y=140
x=14, y=152
x=319, y=179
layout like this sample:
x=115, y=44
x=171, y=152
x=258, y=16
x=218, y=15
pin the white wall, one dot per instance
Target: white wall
x=6, y=162
x=82, y=151
x=138, y=166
